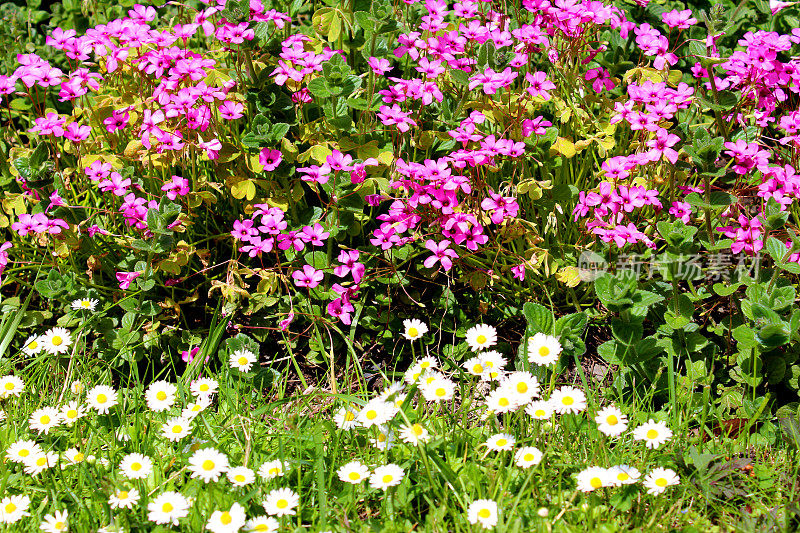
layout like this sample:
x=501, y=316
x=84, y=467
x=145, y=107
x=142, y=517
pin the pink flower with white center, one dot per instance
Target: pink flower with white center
x=441, y=254
x=126, y=278
x=662, y=146
x=309, y=277
x=270, y=159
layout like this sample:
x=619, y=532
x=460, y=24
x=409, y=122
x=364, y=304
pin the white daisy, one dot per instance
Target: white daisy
x=101, y=398
x=73, y=456
x=262, y=524
x=32, y=346
x=55, y=523
x=193, y=409
x=136, y=466
x=543, y=349
x=281, y=502
x=428, y=363
x=474, y=366
x=124, y=499
x=386, y=476
x=540, y=410
x=653, y=433
x=494, y=364
x=414, y=434
x=240, y=476
x=204, y=387
x=568, y=400
x=439, y=389
x=242, y=360
x=11, y=386
x=38, y=462
x=624, y=474
x=21, y=450
x=228, y=521
x=44, y=419
x=76, y=387
x=272, y=469
x=346, y=418
x=160, y=395
x=13, y=508
x=481, y=337
x=524, y=384
x=611, y=421
x=168, y=508
x=413, y=374
x=659, y=479
x=176, y=428
x=376, y=412
x=483, y=512
x=502, y=400
x=85, y=304
x=71, y=412
x=414, y=329
x=593, y=478
x=500, y=442
x=208, y=464
x=383, y=439
x=353, y=472
x=56, y=340
x=527, y=456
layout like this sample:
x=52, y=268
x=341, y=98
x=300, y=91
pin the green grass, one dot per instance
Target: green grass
x=726, y=483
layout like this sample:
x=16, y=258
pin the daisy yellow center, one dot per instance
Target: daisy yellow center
x=261, y=527
x=161, y=395
x=195, y=407
x=481, y=339
x=136, y=467
x=45, y=419
x=652, y=434
x=58, y=340
x=567, y=400
x=440, y=392
x=167, y=507
x=239, y=478
x=203, y=387
x=41, y=461
x=612, y=420
x=24, y=453
x=349, y=417
x=596, y=482
x=484, y=513
x=477, y=369
x=208, y=464
x=381, y=437
x=544, y=351
x=85, y=303
x=540, y=412
x=282, y=503
x=9, y=386
x=623, y=476
x=416, y=375
x=417, y=429
x=387, y=478
x=10, y=507
x=59, y=526
x=123, y=495
x=355, y=476
x=274, y=471
x=661, y=482
x=177, y=428
x=226, y=518
x=102, y=398
x=78, y=457
x=522, y=388
x=33, y=345
x=501, y=442
x=528, y=457
x=425, y=364
x=372, y=414
x=72, y=413
x=242, y=361
x=503, y=402
x=413, y=332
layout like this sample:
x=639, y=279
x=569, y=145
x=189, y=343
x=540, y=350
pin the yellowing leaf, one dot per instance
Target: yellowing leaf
x=244, y=189
x=570, y=276
x=564, y=147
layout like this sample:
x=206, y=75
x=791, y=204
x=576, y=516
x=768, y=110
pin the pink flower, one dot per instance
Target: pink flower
x=125, y=279
x=270, y=159
x=441, y=254
x=309, y=277
x=379, y=66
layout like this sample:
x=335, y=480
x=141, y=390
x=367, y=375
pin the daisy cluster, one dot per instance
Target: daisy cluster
x=136, y=480
x=394, y=416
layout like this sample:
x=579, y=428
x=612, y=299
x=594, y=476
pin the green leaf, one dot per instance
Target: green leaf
x=540, y=319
